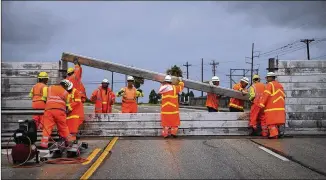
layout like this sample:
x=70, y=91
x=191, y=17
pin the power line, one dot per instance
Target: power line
x=307, y=42
x=319, y=56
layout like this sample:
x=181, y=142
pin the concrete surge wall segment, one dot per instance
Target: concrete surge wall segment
x=17, y=79
x=304, y=82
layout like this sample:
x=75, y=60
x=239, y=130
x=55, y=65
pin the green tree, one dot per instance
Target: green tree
x=153, y=97
x=174, y=71
x=191, y=94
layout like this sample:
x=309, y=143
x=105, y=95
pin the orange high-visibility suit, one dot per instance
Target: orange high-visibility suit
x=38, y=94
x=255, y=94
x=273, y=100
x=129, y=100
x=170, y=117
x=76, y=81
x=212, y=102
x=237, y=103
x=75, y=117
x=55, y=114
x=104, y=99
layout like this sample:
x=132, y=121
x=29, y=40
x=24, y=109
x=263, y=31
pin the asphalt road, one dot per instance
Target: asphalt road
x=197, y=159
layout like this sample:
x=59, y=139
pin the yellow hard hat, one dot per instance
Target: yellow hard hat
x=43, y=75
x=256, y=76
x=70, y=70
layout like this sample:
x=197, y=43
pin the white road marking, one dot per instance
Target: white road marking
x=274, y=154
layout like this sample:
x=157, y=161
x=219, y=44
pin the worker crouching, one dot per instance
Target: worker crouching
x=212, y=101
x=103, y=97
x=236, y=105
x=76, y=116
x=257, y=115
x=170, y=118
x=38, y=94
x=129, y=97
x=56, y=107
x=273, y=102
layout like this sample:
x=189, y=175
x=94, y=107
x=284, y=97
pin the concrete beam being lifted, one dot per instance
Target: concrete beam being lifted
x=150, y=75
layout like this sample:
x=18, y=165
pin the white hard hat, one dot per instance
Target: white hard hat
x=105, y=81
x=215, y=78
x=168, y=78
x=270, y=74
x=245, y=79
x=130, y=78
x=68, y=84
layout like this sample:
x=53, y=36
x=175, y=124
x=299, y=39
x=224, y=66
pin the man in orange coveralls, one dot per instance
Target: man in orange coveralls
x=74, y=76
x=103, y=97
x=170, y=117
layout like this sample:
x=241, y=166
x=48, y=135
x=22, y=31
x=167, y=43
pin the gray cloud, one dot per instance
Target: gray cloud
x=289, y=14
x=28, y=26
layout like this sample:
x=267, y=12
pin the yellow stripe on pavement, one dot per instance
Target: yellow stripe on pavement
x=92, y=156
x=98, y=162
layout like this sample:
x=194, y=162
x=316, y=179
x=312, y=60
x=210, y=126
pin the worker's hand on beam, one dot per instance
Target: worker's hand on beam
x=76, y=61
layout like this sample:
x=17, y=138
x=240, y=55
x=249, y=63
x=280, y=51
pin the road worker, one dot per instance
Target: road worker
x=236, y=105
x=170, y=118
x=38, y=94
x=75, y=117
x=129, y=96
x=256, y=113
x=212, y=101
x=56, y=107
x=273, y=102
x=103, y=97
x=74, y=76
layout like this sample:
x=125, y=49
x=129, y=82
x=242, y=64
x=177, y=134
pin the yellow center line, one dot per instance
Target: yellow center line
x=98, y=162
x=92, y=156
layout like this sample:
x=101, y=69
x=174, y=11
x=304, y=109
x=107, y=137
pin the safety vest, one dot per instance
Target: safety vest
x=170, y=103
x=101, y=100
x=259, y=89
x=38, y=92
x=57, y=98
x=237, y=103
x=212, y=100
x=130, y=95
x=76, y=105
x=273, y=98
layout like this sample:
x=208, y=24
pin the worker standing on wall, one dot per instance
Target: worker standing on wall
x=170, y=118
x=129, y=96
x=256, y=113
x=56, y=107
x=212, y=101
x=38, y=94
x=273, y=102
x=236, y=105
x=74, y=76
x=103, y=97
x=76, y=116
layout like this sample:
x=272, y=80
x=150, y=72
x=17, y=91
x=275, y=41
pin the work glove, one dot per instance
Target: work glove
x=120, y=93
x=139, y=90
x=180, y=79
x=76, y=61
x=211, y=83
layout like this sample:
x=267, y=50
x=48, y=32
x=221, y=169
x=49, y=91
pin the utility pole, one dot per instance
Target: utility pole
x=252, y=62
x=112, y=80
x=214, y=64
x=187, y=65
x=202, y=74
x=307, y=41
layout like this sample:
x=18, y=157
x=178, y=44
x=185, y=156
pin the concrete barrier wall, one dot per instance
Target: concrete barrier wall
x=304, y=83
x=223, y=103
x=17, y=79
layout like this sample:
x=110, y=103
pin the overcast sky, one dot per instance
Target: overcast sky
x=156, y=35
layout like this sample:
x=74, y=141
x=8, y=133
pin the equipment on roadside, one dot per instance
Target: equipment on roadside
x=25, y=137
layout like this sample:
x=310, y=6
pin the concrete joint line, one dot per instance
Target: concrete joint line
x=272, y=153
